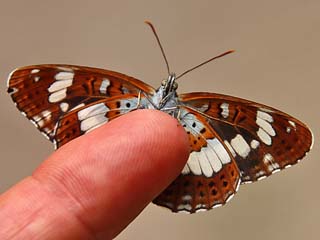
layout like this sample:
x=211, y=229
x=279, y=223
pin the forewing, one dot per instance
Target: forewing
x=262, y=140
x=46, y=94
x=210, y=178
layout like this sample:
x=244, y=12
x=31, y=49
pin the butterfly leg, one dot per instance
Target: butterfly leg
x=173, y=111
x=139, y=100
x=179, y=114
x=165, y=99
x=197, y=111
x=149, y=101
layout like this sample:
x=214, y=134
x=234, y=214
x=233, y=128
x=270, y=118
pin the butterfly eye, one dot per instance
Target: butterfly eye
x=164, y=82
x=175, y=86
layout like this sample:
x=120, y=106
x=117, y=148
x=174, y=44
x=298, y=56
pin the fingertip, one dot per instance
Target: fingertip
x=117, y=169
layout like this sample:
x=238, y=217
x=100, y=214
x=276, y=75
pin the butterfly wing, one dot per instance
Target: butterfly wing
x=66, y=101
x=262, y=140
x=231, y=138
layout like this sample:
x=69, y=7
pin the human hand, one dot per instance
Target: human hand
x=94, y=186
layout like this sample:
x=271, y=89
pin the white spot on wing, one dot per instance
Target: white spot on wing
x=125, y=90
x=264, y=137
x=213, y=159
x=264, y=116
x=58, y=89
x=225, y=110
x=254, y=144
x=204, y=164
x=276, y=170
x=200, y=207
x=292, y=124
x=93, y=110
x=41, y=123
x=269, y=161
x=287, y=166
x=58, y=85
x=33, y=71
x=64, y=76
x=203, y=108
x=39, y=120
x=266, y=126
x=92, y=122
x=184, y=207
x=261, y=175
x=217, y=205
x=193, y=164
x=288, y=129
x=46, y=114
x=64, y=107
x=104, y=85
x=93, y=116
x=240, y=146
x=58, y=96
x=186, y=198
x=219, y=150
x=267, y=158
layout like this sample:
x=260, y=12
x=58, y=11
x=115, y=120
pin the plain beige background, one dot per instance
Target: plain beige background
x=276, y=63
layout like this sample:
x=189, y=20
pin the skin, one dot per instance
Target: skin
x=94, y=186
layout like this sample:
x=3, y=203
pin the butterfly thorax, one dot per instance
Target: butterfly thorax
x=165, y=98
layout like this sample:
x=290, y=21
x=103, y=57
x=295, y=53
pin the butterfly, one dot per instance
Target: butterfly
x=232, y=140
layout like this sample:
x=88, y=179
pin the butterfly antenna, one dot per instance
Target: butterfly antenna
x=159, y=43
x=205, y=62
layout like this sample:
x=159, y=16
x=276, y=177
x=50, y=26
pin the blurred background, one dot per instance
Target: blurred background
x=276, y=63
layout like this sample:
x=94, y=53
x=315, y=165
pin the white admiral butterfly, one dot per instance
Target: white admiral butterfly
x=232, y=140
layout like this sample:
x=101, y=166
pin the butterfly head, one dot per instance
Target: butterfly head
x=169, y=85
x=166, y=93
